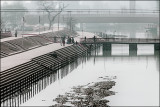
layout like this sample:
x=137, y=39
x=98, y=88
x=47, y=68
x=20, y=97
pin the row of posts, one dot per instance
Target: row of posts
x=25, y=89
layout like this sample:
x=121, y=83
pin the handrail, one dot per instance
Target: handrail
x=85, y=10
x=120, y=40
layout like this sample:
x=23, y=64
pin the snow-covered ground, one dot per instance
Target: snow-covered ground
x=84, y=34
x=17, y=59
x=29, y=34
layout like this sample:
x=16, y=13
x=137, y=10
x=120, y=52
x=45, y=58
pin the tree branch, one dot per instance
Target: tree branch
x=50, y=7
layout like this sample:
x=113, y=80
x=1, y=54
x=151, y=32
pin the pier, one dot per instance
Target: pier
x=132, y=42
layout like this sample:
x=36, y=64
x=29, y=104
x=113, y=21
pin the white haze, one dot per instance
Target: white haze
x=94, y=4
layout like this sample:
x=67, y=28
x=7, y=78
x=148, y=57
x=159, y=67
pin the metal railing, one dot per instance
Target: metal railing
x=89, y=11
x=119, y=40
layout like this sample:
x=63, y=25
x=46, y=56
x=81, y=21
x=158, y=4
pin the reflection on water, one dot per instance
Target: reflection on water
x=137, y=82
x=137, y=76
x=145, y=49
x=120, y=49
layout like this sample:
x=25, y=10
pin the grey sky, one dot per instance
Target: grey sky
x=96, y=4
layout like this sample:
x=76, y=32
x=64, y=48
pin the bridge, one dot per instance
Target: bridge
x=119, y=40
x=111, y=16
x=93, y=15
x=107, y=43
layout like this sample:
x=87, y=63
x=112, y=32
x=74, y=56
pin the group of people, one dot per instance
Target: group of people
x=94, y=38
x=70, y=40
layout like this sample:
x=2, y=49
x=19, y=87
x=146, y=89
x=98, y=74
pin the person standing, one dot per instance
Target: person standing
x=55, y=40
x=72, y=40
x=63, y=40
x=85, y=38
x=16, y=33
x=94, y=38
x=68, y=40
x=76, y=43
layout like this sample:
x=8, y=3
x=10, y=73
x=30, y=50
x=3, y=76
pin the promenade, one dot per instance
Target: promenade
x=17, y=59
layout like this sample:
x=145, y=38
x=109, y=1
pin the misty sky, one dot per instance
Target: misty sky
x=95, y=4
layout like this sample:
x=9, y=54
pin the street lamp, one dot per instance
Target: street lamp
x=23, y=30
x=82, y=30
x=59, y=14
x=39, y=25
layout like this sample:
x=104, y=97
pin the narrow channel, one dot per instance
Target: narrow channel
x=136, y=77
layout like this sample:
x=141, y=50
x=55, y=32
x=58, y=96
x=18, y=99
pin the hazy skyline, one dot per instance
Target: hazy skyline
x=94, y=4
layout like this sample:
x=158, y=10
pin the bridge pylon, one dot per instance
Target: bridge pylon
x=107, y=49
x=132, y=5
x=133, y=49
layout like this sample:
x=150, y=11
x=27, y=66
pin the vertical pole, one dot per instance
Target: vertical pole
x=15, y=100
x=58, y=17
x=16, y=19
x=70, y=21
x=52, y=27
x=20, y=91
x=18, y=100
x=132, y=7
x=82, y=30
x=23, y=31
x=39, y=25
x=10, y=101
x=43, y=21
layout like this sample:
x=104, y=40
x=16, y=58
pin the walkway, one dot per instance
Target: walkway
x=29, y=34
x=17, y=59
x=120, y=40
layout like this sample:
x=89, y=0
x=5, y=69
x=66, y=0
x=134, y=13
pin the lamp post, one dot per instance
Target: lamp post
x=70, y=23
x=39, y=25
x=23, y=30
x=82, y=30
x=43, y=21
x=58, y=16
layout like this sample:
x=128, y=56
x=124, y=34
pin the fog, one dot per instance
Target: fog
x=93, y=4
x=12, y=19
x=125, y=33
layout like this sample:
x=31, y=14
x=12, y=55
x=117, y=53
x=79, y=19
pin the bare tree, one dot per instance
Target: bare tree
x=11, y=16
x=3, y=24
x=71, y=23
x=51, y=8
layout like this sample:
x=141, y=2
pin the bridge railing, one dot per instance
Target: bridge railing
x=111, y=11
x=89, y=11
x=119, y=40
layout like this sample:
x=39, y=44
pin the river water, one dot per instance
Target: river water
x=137, y=76
x=137, y=82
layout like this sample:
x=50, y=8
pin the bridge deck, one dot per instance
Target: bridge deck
x=119, y=41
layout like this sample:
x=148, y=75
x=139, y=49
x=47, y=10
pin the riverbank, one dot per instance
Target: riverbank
x=26, y=56
x=46, y=92
x=136, y=76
